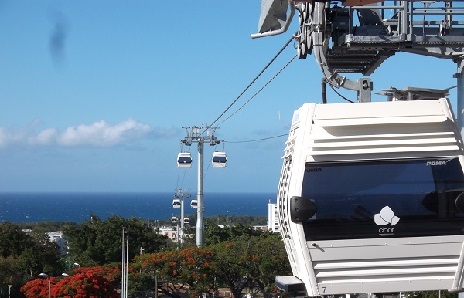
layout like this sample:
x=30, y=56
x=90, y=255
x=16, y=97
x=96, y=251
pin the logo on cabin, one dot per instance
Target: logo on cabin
x=436, y=162
x=386, y=217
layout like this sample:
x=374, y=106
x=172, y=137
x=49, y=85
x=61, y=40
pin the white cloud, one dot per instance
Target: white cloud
x=46, y=136
x=103, y=134
x=3, y=138
x=99, y=133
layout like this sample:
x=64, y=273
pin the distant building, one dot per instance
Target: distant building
x=170, y=232
x=272, y=218
x=53, y=237
x=262, y=228
x=57, y=237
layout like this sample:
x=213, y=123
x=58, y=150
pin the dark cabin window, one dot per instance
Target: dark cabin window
x=185, y=160
x=422, y=194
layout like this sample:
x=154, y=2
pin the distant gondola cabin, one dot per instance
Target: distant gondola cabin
x=184, y=160
x=194, y=203
x=219, y=159
x=176, y=203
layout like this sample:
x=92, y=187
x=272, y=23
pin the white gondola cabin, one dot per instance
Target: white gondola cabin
x=219, y=159
x=174, y=220
x=176, y=203
x=186, y=220
x=194, y=204
x=369, y=198
x=184, y=160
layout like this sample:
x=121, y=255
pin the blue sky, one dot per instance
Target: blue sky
x=94, y=94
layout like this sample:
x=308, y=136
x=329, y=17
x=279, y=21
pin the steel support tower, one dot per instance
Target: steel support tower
x=200, y=135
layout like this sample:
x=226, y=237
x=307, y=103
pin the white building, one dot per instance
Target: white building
x=57, y=237
x=170, y=232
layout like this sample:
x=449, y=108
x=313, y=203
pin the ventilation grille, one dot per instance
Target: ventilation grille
x=383, y=129
x=410, y=264
x=387, y=270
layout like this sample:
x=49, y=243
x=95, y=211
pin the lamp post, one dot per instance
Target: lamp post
x=156, y=283
x=45, y=275
x=124, y=264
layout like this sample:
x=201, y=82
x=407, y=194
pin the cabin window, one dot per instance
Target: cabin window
x=220, y=159
x=422, y=194
x=185, y=159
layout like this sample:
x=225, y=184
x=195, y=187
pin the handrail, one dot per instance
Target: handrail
x=406, y=13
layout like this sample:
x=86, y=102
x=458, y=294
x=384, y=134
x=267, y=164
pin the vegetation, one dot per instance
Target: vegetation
x=97, y=242
x=235, y=256
x=246, y=259
x=226, y=220
x=24, y=256
x=96, y=245
x=88, y=282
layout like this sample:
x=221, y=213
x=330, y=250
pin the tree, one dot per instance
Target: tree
x=270, y=260
x=430, y=294
x=85, y=284
x=13, y=240
x=185, y=270
x=11, y=275
x=38, y=288
x=250, y=262
x=215, y=234
x=24, y=255
x=98, y=242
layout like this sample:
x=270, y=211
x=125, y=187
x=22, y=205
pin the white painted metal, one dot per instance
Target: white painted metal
x=176, y=203
x=219, y=159
x=194, y=203
x=369, y=131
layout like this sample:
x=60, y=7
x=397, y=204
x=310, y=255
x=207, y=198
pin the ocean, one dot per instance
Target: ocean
x=76, y=207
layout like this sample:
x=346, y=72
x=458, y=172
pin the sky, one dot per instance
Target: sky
x=94, y=95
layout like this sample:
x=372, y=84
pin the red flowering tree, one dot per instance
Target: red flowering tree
x=84, y=285
x=185, y=270
x=111, y=272
x=89, y=282
x=38, y=288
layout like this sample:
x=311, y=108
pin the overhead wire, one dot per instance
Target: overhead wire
x=183, y=179
x=257, y=140
x=254, y=95
x=250, y=84
x=261, y=89
x=339, y=94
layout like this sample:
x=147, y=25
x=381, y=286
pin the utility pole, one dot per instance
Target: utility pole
x=195, y=134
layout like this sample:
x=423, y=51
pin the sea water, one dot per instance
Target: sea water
x=77, y=207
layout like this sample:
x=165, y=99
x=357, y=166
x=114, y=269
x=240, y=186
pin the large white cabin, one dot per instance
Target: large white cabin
x=370, y=198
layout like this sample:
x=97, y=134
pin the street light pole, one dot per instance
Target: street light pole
x=156, y=283
x=124, y=264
